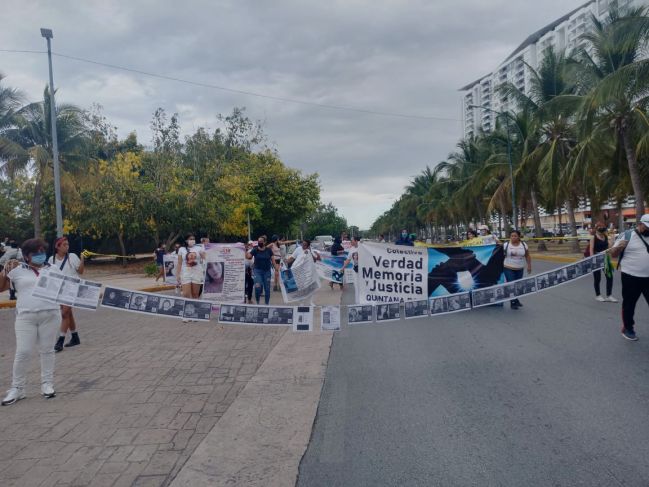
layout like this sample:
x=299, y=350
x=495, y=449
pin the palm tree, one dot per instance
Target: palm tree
x=10, y=101
x=615, y=83
x=32, y=133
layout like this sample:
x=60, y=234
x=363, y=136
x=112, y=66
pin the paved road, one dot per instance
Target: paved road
x=547, y=395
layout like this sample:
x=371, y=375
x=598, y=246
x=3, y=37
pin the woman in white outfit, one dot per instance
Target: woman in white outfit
x=67, y=263
x=37, y=321
x=190, y=269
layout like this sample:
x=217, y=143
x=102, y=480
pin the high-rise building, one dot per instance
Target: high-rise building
x=562, y=34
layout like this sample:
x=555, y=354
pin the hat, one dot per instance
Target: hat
x=645, y=219
x=483, y=227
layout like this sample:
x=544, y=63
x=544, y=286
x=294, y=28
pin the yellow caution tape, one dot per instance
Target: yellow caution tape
x=87, y=253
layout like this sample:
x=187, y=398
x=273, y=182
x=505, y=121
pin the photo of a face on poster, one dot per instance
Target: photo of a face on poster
x=197, y=310
x=138, y=302
x=116, y=298
x=388, y=312
x=169, y=306
x=438, y=305
x=214, y=274
x=460, y=302
x=330, y=318
x=360, y=314
x=415, y=309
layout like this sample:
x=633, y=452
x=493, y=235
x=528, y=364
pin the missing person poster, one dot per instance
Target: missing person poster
x=330, y=318
x=170, y=263
x=67, y=290
x=224, y=272
x=299, y=281
x=303, y=318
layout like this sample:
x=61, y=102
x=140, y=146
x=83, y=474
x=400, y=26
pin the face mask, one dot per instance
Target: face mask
x=39, y=259
x=645, y=233
x=260, y=245
x=191, y=242
x=601, y=230
x=404, y=235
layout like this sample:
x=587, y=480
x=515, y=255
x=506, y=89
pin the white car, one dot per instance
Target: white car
x=322, y=242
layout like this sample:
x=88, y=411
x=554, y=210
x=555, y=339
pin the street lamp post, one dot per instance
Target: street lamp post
x=48, y=35
x=509, y=156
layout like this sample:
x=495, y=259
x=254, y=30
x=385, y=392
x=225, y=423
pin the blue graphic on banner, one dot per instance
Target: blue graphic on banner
x=329, y=267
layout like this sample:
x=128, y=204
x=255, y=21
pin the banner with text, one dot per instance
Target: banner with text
x=389, y=273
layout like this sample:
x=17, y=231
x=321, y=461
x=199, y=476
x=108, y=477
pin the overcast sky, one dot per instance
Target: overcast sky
x=388, y=56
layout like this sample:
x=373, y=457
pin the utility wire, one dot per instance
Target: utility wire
x=241, y=92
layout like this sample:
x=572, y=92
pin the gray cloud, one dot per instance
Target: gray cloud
x=389, y=56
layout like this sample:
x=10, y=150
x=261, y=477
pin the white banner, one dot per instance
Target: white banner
x=225, y=272
x=391, y=273
x=299, y=281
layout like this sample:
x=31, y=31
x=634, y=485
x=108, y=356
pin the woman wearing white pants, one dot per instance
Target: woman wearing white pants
x=37, y=321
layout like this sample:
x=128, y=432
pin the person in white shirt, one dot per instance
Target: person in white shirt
x=517, y=255
x=67, y=263
x=352, y=255
x=486, y=235
x=632, y=247
x=303, y=249
x=190, y=269
x=36, y=321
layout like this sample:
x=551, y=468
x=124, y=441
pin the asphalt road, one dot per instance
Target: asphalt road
x=548, y=395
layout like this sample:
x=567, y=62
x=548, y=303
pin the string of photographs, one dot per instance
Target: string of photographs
x=301, y=318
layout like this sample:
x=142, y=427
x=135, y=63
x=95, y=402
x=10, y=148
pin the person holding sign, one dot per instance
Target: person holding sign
x=70, y=265
x=36, y=320
x=516, y=256
x=190, y=270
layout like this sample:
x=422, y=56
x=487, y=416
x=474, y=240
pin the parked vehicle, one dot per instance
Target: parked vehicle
x=322, y=242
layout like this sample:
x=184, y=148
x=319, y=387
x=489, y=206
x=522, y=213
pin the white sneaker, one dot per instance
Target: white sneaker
x=600, y=298
x=611, y=299
x=48, y=391
x=13, y=395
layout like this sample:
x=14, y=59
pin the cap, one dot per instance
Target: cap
x=483, y=227
x=645, y=219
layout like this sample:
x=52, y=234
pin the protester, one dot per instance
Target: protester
x=470, y=234
x=598, y=244
x=190, y=270
x=159, y=255
x=632, y=248
x=277, y=259
x=250, y=282
x=404, y=239
x=336, y=250
x=67, y=263
x=11, y=252
x=36, y=321
x=381, y=238
x=486, y=236
x=352, y=254
x=516, y=256
x=264, y=261
x=303, y=249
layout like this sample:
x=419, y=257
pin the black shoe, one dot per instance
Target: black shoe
x=74, y=340
x=515, y=305
x=59, y=344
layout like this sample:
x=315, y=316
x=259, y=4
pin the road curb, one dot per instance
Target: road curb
x=153, y=289
x=556, y=258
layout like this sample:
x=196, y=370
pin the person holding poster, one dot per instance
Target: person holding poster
x=69, y=265
x=36, y=320
x=190, y=270
x=264, y=261
x=516, y=256
x=336, y=250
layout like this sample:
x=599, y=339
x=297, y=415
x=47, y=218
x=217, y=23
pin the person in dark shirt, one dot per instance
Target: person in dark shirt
x=336, y=250
x=404, y=239
x=262, y=268
x=159, y=254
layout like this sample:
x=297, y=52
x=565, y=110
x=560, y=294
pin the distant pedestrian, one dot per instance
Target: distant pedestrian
x=632, y=247
x=303, y=249
x=404, y=239
x=486, y=235
x=352, y=255
x=36, y=321
x=250, y=281
x=11, y=252
x=517, y=255
x=67, y=263
x=598, y=244
x=159, y=255
x=277, y=259
x=337, y=250
x=381, y=239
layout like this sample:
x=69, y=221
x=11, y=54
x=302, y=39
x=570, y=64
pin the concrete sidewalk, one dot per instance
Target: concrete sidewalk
x=140, y=394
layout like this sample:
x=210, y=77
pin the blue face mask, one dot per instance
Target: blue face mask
x=39, y=259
